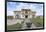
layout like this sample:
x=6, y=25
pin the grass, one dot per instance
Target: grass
x=14, y=27
x=38, y=21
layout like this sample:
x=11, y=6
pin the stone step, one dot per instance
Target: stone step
x=27, y=20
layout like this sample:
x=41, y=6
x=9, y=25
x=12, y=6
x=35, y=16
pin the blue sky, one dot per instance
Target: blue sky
x=13, y=6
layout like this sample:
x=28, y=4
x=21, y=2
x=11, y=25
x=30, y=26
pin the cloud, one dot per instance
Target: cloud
x=18, y=6
x=10, y=13
x=12, y=6
x=24, y=6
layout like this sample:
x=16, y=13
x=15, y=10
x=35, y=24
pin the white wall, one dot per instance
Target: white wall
x=22, y=16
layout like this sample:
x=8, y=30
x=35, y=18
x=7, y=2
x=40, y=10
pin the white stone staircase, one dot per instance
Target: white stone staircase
x=26, y=21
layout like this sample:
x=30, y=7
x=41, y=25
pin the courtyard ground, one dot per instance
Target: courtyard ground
x=14, y=23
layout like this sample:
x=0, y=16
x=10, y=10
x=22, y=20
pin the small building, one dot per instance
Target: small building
x=10, y=17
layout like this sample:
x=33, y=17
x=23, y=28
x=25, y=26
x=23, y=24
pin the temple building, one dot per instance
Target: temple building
x=24, y=13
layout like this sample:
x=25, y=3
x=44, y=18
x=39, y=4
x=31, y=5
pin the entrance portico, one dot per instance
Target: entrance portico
x=26, y=16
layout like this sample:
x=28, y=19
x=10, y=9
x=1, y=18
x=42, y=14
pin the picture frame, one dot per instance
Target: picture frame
x=22, y=2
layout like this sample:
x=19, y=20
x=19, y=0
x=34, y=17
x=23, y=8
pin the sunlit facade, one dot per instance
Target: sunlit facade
x=24, y=13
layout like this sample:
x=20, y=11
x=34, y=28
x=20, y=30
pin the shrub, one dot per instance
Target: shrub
x=28, y=25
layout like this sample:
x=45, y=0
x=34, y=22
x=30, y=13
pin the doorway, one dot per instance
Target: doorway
x=26, y=16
